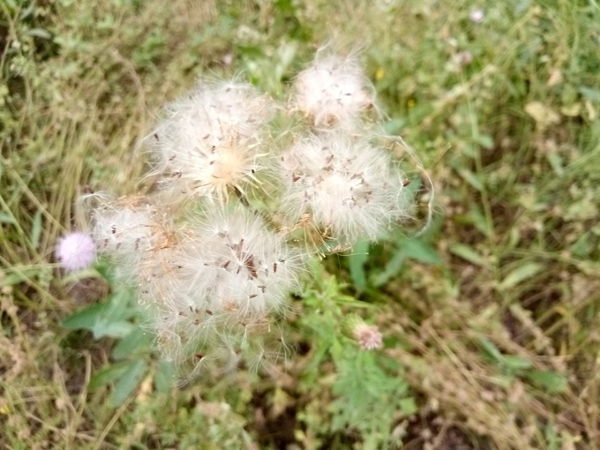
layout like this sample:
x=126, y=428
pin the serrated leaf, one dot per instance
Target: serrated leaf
x=108, y=318
x=128, y=381
x=467, y=253
x=115, y=329
x=548, y=380
x=108, y=374
x=85, y=319
x=520, y=274
x=133, y=344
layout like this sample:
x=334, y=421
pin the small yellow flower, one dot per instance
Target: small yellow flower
x=380, y=73
x=411, y=103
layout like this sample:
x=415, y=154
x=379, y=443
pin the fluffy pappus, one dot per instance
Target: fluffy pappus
x=225, y=283
x=128, y=230
x=237, y=266
x=347, y=187
x=333, y=91
x=210, y=140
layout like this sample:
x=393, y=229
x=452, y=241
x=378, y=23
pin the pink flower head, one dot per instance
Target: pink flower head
x=368, y=336
x=476, y=16
x=76, y=251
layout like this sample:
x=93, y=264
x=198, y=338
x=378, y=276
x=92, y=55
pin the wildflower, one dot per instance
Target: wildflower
x=349, y=188
x=477, y=15
x=368, y=337
x=333, y=91
x=210, y=141
x=76, y=251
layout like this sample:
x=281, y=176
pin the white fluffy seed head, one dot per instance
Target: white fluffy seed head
x=236, y=265
x=127, y=230
x=333, y=91
x=349, y=188
x=222, y=280
x=210, y=141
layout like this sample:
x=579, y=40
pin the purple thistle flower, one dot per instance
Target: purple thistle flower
x=477, y=16
x=368, y=337
x=76, y=251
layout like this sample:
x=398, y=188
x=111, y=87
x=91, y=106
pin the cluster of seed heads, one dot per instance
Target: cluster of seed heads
x=215, y=250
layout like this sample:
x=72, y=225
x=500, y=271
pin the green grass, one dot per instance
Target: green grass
x=490, y=318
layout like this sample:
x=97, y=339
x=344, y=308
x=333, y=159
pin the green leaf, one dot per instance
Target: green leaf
x=104, y=319
x=590, y=94
x=520, y=274
x=85, y=319
x=6, y=218
x=467, y=253
x=128, y=381
x=516, y=363
x=108, y=374
x=40, y=33
x=392, y=268
x=165, y=376
x=490, y=349
x=485, y=140
x=135, y=343
x=408, y=406
x=549, y=380
x=357, y=261
x=420, y=250
x=472, y=179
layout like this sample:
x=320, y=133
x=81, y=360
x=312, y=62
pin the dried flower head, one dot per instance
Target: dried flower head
x=348, y=187
x=126, y=230
x=76, y=251
x=210, y=141
x=223, y=279
x=235, y=264
x=333, y=90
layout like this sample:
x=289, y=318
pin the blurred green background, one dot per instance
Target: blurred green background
x=490, y=318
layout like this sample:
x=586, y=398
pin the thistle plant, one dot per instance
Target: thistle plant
x=236, y=209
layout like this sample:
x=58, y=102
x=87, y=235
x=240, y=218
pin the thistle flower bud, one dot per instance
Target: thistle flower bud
x=210, y=141
x=349, y=188
x=76, y=251
x=368, y=337
x=333, y=91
